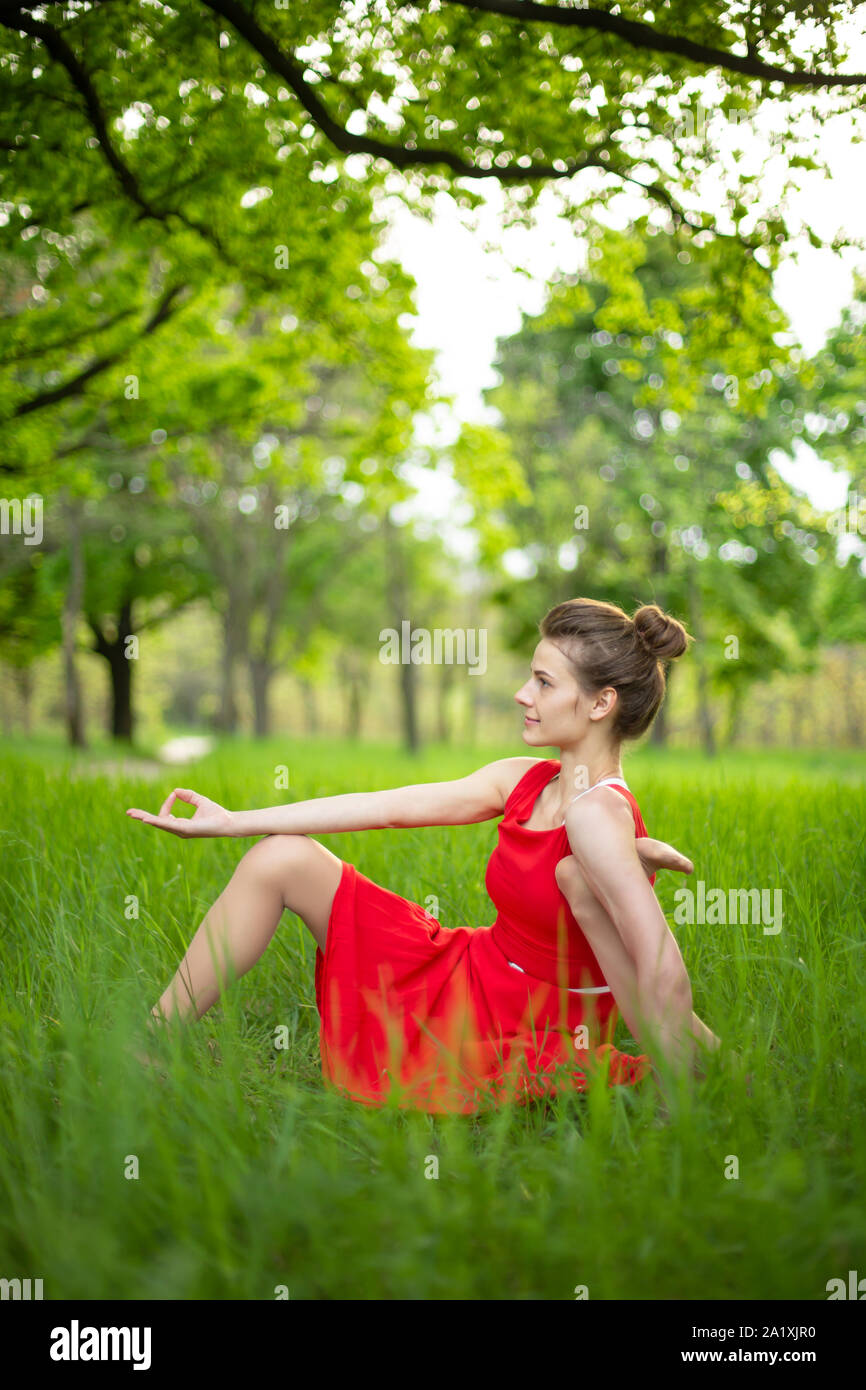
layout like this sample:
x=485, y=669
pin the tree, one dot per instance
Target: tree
x=28, y=623
x=180, y=144
x=147, y=411
x=475, y=89
x=638, y=424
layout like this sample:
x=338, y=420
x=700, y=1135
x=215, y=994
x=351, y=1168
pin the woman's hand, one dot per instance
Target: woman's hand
x=208, y=819
x=656, y=854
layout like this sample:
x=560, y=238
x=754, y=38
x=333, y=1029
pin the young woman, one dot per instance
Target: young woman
x=456, y=1018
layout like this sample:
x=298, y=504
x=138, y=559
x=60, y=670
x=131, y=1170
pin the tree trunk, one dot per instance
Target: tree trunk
x=354, y=680
x=120, y=666
x=261, y=653
x=853, y=710
x=355, y=710
x=234, y=628
x=73, y=704
x=5, y=720
x=820, y=724
x=409, y=706
x=798, y=710
x=443, y=721
x=696, y=615
x=659, y=727
x=260, y=680
x=24, y=686
x=768, y=730
x=311, y=713
x=472, y=685
x=121, y=693
x=705, y=713
x=398, y=599
x=732, y=732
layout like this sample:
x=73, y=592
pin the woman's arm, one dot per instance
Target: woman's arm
x=640, y=958
x=609, y=949
x=479, y=796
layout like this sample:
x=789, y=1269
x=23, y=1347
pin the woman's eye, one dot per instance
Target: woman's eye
x=543, y=681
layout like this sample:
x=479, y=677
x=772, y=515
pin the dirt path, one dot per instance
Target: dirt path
x=172, y=754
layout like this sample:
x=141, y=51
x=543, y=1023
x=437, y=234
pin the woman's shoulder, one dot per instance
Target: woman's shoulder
x=624, y=795
x=517, y=770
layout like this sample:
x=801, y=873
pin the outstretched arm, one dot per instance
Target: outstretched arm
x=480, y=796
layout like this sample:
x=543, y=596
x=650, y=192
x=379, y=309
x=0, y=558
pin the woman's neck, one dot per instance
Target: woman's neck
x=579, y=771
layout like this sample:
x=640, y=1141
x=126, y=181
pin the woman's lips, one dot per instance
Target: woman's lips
x=528, y=720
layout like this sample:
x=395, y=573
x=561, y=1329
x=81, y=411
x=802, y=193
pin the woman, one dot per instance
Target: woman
x=452, y=1019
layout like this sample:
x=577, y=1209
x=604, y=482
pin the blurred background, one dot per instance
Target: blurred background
x=313, y=328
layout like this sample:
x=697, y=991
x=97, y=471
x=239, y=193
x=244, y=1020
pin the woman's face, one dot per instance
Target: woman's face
x=556, y=709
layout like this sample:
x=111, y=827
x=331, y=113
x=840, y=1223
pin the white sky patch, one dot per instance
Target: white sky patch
x=255, y=195
x=473, y=286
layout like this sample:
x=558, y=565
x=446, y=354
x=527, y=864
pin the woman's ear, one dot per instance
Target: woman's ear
x=603, y=703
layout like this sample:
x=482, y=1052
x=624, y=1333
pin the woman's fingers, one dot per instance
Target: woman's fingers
x=176, y=825
x=164, y=822
x=179, y=793
x=184, y=793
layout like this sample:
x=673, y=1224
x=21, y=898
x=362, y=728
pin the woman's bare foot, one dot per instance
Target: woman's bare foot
x=657, y=854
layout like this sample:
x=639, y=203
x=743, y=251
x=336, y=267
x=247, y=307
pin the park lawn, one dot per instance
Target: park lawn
x=254, y=1179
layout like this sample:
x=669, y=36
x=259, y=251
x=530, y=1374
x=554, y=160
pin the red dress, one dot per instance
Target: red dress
x=447, y=1019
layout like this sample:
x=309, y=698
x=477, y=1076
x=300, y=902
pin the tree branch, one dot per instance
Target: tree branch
x=645, y=36
x=52, y=39
x=403, y=157
x=59, y=343
x=400, y=156
x=60, y=51
x=166, y=613
x=101, y=644
x=76, y=384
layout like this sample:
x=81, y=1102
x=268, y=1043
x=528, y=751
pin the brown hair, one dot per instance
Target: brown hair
x=607, y=647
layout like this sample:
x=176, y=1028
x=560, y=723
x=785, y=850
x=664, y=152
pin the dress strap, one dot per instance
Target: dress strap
x=523, y=795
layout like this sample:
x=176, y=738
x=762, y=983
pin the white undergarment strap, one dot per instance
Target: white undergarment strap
x=595, y=989
x=605, y=781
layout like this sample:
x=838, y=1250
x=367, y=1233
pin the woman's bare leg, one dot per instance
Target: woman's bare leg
x=278, y=872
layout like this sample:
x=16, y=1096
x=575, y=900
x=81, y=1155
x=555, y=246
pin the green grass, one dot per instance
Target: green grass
x=251, y=1175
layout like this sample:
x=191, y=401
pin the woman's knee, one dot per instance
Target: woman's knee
x=571, y=882
x=269, y=858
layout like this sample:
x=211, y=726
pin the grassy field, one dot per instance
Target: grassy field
x=252, y=1177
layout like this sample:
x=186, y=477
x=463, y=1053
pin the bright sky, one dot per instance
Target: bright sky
x=470, y=291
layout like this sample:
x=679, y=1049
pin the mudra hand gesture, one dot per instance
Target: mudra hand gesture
x=208, y=819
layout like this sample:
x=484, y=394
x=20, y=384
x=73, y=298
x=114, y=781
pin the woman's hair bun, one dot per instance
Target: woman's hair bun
x=662, y=636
